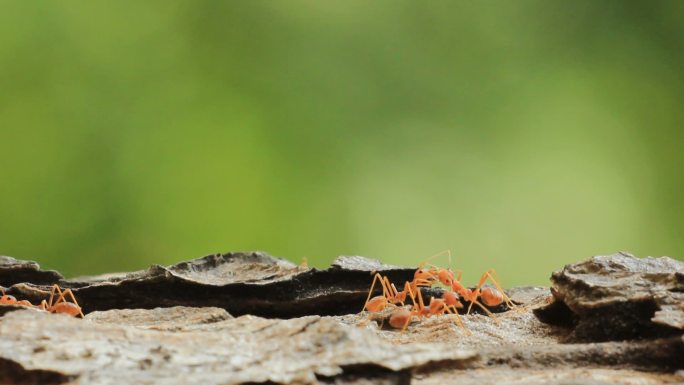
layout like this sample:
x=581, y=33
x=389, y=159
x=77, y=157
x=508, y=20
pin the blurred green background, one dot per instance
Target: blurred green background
x=522, y=135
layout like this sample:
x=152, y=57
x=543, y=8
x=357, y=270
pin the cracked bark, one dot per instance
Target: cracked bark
x=136, y=332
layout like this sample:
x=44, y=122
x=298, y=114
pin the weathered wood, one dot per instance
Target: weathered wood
x=242, y=283
x=206, y=349
x=619, y=296
x=14, y=271
x=203, y=344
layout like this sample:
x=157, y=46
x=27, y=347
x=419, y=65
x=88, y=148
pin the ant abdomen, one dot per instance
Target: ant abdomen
x=491, y=297
x=377, y=303
x=66, y=308
x=400, y=318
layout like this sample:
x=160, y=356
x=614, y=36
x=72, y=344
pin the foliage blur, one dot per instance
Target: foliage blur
x=522, y=135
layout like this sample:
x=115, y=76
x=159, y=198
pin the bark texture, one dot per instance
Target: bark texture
x=211, y=321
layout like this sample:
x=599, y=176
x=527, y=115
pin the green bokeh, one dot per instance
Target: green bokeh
x=521, y=135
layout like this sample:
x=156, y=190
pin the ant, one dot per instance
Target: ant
x=401, y=317
x=391, y=297
x=488, y=295
x=390, y=294
x=61, y=305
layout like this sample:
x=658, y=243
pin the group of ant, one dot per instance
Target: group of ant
x=58, y=302
x=427, y=276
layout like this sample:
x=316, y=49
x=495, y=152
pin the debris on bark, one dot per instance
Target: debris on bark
x=618, y=296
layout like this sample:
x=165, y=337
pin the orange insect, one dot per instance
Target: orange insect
x=401, y=318
x=448, y=304
x=488, y=295
x=390, y=294
x=60, y=305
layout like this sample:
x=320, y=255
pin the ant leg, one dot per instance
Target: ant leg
x=391, y=290
x=370, y=292
x=376, y=277
x=487, y=311
x=483, y=307
x=453, y=311
x=417, y=307
x=55, y=289
x=421, y=304
x=60, y=299
x=409, y=291
x=395, y=293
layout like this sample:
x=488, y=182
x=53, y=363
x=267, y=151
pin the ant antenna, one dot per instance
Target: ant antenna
x=446, y=252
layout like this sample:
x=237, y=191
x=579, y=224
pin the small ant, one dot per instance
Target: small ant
x=449, y=303
x=488, y=295
x=401, y=316
x=61, y=305
x=390, y=295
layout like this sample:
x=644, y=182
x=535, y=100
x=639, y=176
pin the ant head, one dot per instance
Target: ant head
x=7, y=299
x=446, y=277
x=423, y=274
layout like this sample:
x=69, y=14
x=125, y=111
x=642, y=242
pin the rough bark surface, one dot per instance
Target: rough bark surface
x=15, y=271
x=618, y=296
x=242, y=283
x=125, y=338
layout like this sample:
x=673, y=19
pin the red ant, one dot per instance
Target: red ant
x=390, y=294
x=488, y=295
x=401, y=317
x=61, y=305
x=390, y=297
